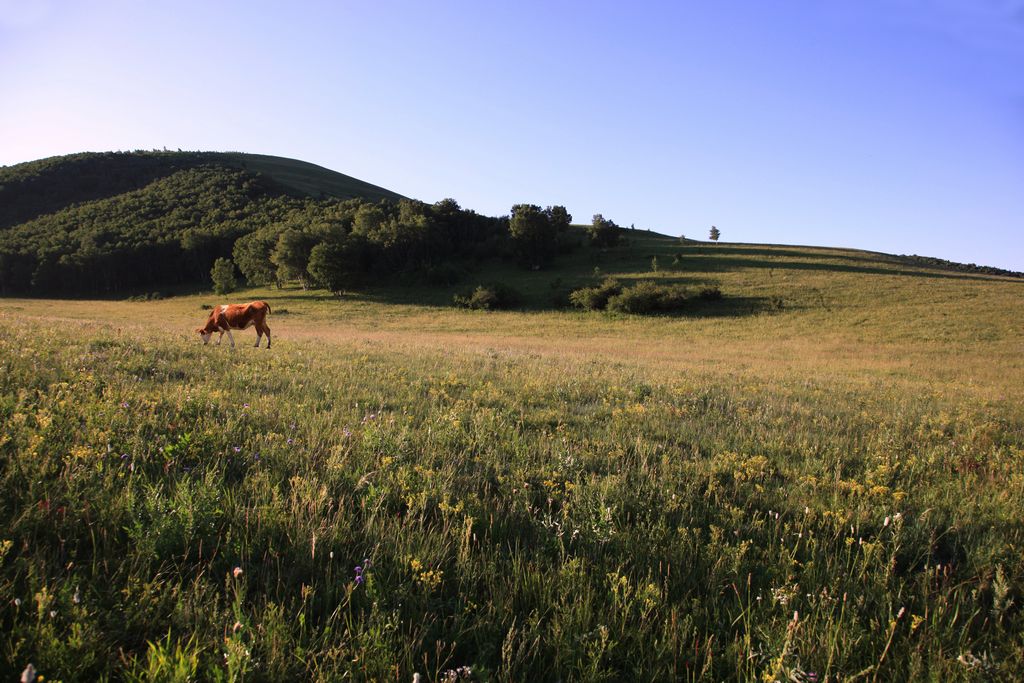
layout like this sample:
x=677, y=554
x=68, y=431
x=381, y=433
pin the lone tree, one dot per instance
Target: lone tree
x=603, y=232
x=223, y=274
x=715, y=234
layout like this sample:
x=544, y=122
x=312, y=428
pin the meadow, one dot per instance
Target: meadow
x=821, y=481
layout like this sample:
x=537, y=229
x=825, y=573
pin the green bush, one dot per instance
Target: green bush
x=595, y=298
x=490, y=297
x=648, y=297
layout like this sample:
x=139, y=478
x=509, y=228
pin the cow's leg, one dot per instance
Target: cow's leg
x=266, y=331
x=230, y=338
x=259, y=336
x=220, y=337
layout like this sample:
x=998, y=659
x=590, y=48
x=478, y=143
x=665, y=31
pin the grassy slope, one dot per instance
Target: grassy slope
x=543, y=494
x=307, y=178
x=45, y=186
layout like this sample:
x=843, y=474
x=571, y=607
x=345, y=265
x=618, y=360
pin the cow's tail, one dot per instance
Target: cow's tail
x=268, y=307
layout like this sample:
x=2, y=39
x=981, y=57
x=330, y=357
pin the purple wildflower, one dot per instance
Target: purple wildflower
x=124, y=404
x=359, y=579
x=359, y=570
x=238, y=449
x=290, y=442
x=245, y=405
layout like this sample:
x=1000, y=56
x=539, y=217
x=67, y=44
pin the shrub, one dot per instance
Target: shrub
x=595, y=298
x=710, y=294
x=150, y=296
x=648, y=297
x=491, y=297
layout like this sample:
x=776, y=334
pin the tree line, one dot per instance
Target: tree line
x=348, y=244
x=159, y=226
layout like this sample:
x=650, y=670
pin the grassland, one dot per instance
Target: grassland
x=304, y=177
x=819, y=480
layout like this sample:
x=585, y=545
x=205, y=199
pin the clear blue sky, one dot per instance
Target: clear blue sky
x=891, y=125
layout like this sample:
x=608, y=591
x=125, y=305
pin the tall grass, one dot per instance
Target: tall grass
x=175, y=512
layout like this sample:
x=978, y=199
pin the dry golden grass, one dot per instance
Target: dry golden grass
x=826, y=490
x=911, y=327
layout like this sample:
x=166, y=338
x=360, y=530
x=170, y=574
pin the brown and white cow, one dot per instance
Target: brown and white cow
x=238, y=317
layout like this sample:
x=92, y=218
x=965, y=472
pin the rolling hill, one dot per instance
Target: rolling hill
x=45, y=186
x=115, y=222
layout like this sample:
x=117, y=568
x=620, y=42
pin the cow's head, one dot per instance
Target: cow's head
x=204, y=334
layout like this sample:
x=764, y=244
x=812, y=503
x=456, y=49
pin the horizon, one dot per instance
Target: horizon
x=888, y=127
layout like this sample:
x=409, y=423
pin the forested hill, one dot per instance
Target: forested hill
x=114, y=224
x=36, y=188
x=117, y=221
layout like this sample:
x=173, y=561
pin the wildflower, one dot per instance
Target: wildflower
x=812, y=677
x=77, y=597
x=17, y=602
x=237, y=572
x=53, y=613
x=237, y=627
x=29, y=674
x=124, y=404
x=886, y=522
x=289, y=442
x=331, y=554
x=899, y=614
x=124, y=456
x=359, y=570
x=359, y=579
x=245, y=405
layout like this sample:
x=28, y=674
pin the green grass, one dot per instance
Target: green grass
x=307, y=178
x=828, y=486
